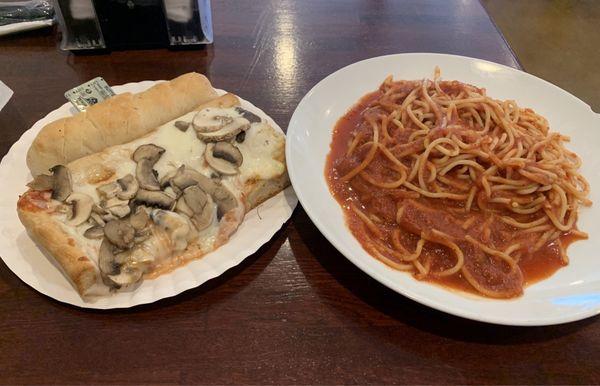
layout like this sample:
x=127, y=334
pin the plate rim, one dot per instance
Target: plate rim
x=364, y=265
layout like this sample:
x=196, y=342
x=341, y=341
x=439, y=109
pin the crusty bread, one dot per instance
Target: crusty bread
x=116, y=120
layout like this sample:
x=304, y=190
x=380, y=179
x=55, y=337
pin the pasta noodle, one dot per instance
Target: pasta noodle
x=473, y=186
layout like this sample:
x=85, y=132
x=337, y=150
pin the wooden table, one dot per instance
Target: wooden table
x=296, y=311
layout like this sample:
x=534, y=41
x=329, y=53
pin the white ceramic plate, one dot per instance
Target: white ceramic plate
x=26, y=260
x=572, y=293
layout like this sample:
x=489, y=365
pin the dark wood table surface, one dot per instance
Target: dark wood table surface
x=295, y=312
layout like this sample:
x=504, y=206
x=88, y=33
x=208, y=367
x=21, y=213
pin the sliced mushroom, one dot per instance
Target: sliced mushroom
x=224, y=199
x=146, y=156
x=195, y=198
x=139, y=220
x=203, y=220
x=95, y=232
x=106, y=259
x=42, y=182
x=120, y=211
x=223, y=157
x=149, y=152
x=154, y=198
x=182, y=125
x=129, y=187
x=186, y=176
x=119, y=233
x=82, y=208
x=166, y=179
x=97, y=218
x=62, y=185
x=98, y=209
x=250, y=116
x=240, y=137
x=177, y=227
x=146, y=176
x=112, y=203
x=108, y=191
x=126, y=276
x=113, y=266
x=183, y=208
x=170, y=191
x=226, y=133
x=201, y=204
x=227, y=152
x=108, y=217
x=213, y=119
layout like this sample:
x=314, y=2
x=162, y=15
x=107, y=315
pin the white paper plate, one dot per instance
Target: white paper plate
x=26, y=260
x=572, y=293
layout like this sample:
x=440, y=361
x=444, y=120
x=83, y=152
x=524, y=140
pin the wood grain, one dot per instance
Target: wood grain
x=296, y=312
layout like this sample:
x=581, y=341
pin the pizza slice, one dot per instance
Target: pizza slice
x=142, y=208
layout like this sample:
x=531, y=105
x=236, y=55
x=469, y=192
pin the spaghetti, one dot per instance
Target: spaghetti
x=439, y=179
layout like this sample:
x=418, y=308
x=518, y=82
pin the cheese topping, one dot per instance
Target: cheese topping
x=172, y=232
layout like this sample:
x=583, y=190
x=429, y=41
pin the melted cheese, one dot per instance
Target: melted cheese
x=259, y=150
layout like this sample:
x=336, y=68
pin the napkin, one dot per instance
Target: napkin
x=5, y=94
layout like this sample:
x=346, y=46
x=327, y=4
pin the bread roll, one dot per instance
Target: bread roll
x=117, y=120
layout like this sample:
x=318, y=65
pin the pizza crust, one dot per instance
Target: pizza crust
x=48, y=231
x=117, y=120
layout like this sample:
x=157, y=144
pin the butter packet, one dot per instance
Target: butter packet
x=89, y=93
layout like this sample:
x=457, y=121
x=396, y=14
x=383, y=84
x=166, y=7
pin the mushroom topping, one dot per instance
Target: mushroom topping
x=139, y=219
x=182, y=125
x=82, y=208
x=226, y=133
x=183, y=208
x=119, y=233
x=195, y=198
x=98, y=209
x=145, y=175
x=250, y=116
x=112, y=203
x=146, y=156
x=97, y=218
x=223, y=157
x=240, y=137
x=187, y=177
x=95, y=232
x=169, y=191
x=108, y=191
x=213, y=119
x=154, y=198
x=127, y=275
x=221, y=195
x=148, y=152
x=113, y=266
x=61, y=182
x=166, y=179
x=219, y=124
x=129, y=187
x=120, y=211
x=42, y=182
x=227, y=152
x=201, y=204
x=106, y=258
x=224, y=199
x=175, y=226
